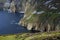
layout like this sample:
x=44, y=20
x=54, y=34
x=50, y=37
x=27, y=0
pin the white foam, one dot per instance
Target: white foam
x=21, y=12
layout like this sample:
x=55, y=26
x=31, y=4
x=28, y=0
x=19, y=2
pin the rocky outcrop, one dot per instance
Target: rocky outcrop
x=46, y=5
x=9, y=6
x=39, y=25
x=39, y=16
x=12, y=7
x=15, y=5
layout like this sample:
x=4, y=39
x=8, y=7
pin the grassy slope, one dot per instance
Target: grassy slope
x=31, y=36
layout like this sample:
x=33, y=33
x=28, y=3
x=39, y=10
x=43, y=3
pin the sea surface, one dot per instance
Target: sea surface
x=9, y=23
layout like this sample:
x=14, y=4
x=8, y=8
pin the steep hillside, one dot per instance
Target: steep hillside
x=41, y=15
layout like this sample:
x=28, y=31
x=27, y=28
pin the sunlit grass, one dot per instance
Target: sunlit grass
x=31, y=36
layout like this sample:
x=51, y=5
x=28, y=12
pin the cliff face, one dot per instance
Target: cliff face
x=15, y=5
x=41, y=15
x=46, y=5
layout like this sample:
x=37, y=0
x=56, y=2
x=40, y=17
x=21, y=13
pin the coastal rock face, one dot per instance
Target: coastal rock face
x=39, y=25
x=12, y=7
x=15, y=5
x=40, y=16
x=9, y=6
x=46, y=5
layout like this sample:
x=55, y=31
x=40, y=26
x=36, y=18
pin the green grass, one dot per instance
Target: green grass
x=10, y=37
x=30, y=36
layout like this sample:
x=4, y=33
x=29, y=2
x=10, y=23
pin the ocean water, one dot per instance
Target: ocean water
x=9, y=23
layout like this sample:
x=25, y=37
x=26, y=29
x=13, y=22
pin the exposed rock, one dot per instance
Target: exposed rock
x=29, y=26
x=39, y=16
x=6, y=6
x=12, y=7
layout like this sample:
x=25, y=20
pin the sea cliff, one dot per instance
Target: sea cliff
x=39, y=16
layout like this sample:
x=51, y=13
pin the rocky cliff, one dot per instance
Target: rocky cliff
x=15, y=5
x=41, y=15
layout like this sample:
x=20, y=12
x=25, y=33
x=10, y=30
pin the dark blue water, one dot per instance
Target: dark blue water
x=9, y=23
